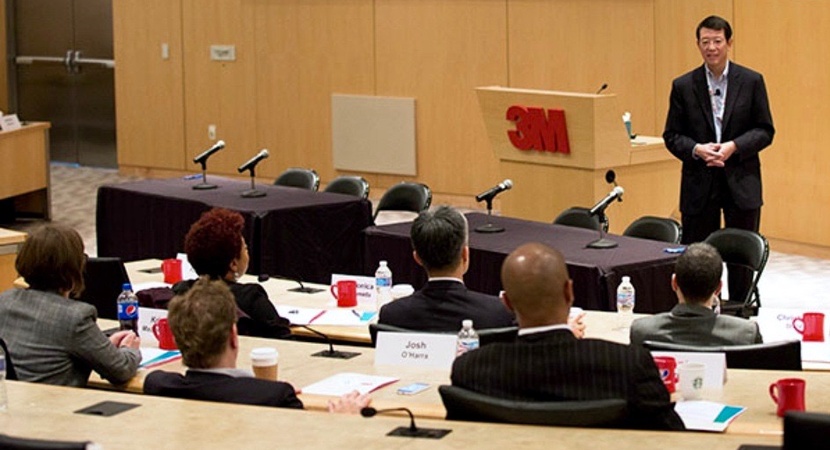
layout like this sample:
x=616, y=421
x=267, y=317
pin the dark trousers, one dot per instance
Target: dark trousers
x=696, y=228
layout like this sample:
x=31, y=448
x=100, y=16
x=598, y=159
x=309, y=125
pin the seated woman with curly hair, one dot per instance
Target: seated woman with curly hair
x=216, y=248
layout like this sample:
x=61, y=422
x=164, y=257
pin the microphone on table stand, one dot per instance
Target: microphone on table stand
x=599, y=211
x=250, y=165
x=303, y=289
x=202, y=159
x=488, y=196
x=411, y=430
x=331, y=352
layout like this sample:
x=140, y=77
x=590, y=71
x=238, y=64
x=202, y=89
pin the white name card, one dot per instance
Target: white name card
x=365, y=288
x=415, y=349
x=715, y=374
x=9, y=122
x=146, y=318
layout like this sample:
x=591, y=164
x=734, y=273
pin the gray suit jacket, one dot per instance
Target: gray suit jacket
x=55, y=340
x=695, y=325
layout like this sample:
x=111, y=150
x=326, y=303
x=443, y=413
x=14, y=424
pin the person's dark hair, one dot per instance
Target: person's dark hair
x=698, y=271
x=201, y=321
x=438, y=237
x=52, y=259
x=214, y=241
x=715, y=23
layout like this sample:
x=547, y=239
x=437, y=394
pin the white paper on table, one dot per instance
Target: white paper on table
x=297, y=315
x=188, y=273
x=344, y=317
x=707, y=416
x=713, y=377
x=343, y=383
x=153, y=356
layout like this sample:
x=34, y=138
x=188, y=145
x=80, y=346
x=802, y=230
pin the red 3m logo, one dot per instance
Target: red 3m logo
x=536, y=130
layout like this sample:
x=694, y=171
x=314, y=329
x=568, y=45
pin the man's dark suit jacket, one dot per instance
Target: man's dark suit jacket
x=217, y=387
x=556, y=366
x=747, y=121
x=441, y=305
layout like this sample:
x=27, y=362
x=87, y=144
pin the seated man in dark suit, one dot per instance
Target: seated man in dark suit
x=697, y=282
x=439, y=242
x=203, y=322
x=547, y=363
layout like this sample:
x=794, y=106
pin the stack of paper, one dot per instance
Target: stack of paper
x=152, y=357
x=707, y=416
x=343, y=383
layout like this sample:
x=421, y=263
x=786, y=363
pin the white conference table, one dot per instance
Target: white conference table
x=47, y=412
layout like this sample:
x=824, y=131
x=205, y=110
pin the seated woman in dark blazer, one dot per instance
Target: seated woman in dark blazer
x=50, y=337
x=216, y=248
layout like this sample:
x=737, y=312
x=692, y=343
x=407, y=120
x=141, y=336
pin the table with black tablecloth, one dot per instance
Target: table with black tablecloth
x=596, y=273
x=290, y=232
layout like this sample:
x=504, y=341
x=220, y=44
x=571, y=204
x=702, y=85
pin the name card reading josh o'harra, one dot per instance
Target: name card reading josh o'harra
x=415, y=349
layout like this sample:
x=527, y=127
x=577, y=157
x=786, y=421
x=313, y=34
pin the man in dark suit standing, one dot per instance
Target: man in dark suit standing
x=439, y=242
x=718, y=121
x=548, y=363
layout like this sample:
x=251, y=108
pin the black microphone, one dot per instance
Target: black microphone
x=717, y=92
x=253, y=161
x=615, y=194
x=495, y=190
x=331, y=352
x=602, y=88
x=206, y=154
x=412, y=430
x=263, y=277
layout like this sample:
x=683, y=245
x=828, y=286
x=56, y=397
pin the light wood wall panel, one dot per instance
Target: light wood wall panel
x=676, y=49
x=577, y=45
x=4, y=65
x=789, y=43
x=305, y=51
x=148, y=89
x=220, y=93
x=438, y=51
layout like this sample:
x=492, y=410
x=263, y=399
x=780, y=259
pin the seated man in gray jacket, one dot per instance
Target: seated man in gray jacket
x=696, y=281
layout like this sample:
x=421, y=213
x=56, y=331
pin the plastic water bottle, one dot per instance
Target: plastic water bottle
x=128, y=309
x=4, y=400
x=383, y=284
x=467, y=338
x=625, y=296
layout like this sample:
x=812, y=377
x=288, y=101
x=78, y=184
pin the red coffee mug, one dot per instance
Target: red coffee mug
x=172, y=269
x=788, y=394
x=667, y=366
x=162, y=332
x=810, y=326
x=345, y=291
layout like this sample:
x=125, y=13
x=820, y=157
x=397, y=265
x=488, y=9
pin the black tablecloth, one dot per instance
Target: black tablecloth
x=290, y=232
x=596, y=273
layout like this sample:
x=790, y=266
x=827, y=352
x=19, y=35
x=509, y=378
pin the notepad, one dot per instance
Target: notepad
x=343, y=383
x=707, y=416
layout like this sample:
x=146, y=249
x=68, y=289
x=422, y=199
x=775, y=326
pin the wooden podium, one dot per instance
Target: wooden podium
x=545, y=183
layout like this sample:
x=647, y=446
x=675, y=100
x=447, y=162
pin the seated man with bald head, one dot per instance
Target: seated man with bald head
x=548, y=363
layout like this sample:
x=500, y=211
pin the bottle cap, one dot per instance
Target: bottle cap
x=383, y=263
x=126, y=287
x=626, y=279
x=467, y=323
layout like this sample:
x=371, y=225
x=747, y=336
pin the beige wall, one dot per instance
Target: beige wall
x=293, y=54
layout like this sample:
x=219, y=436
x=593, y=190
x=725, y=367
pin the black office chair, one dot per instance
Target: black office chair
x=462, y=404
x=17, y=443
x=782, y=355
x=299, y=178
x=104, y=278
x=746, y=249
x=11, y=374
x=806, y=430
x=662, y=229
x=349, y=185
x=579, y=217
x=375, y=327
x=405, y=196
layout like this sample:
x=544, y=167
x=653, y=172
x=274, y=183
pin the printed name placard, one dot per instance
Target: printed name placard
x=146, y=318
x=806, y=325
x=415, y=349
x=365, y=288
x=9, y=122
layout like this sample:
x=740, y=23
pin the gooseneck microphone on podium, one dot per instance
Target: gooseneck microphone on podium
x=411, y=430
x=250, y=165
x=202, y=159
x=331, y=352
x=488, y=196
